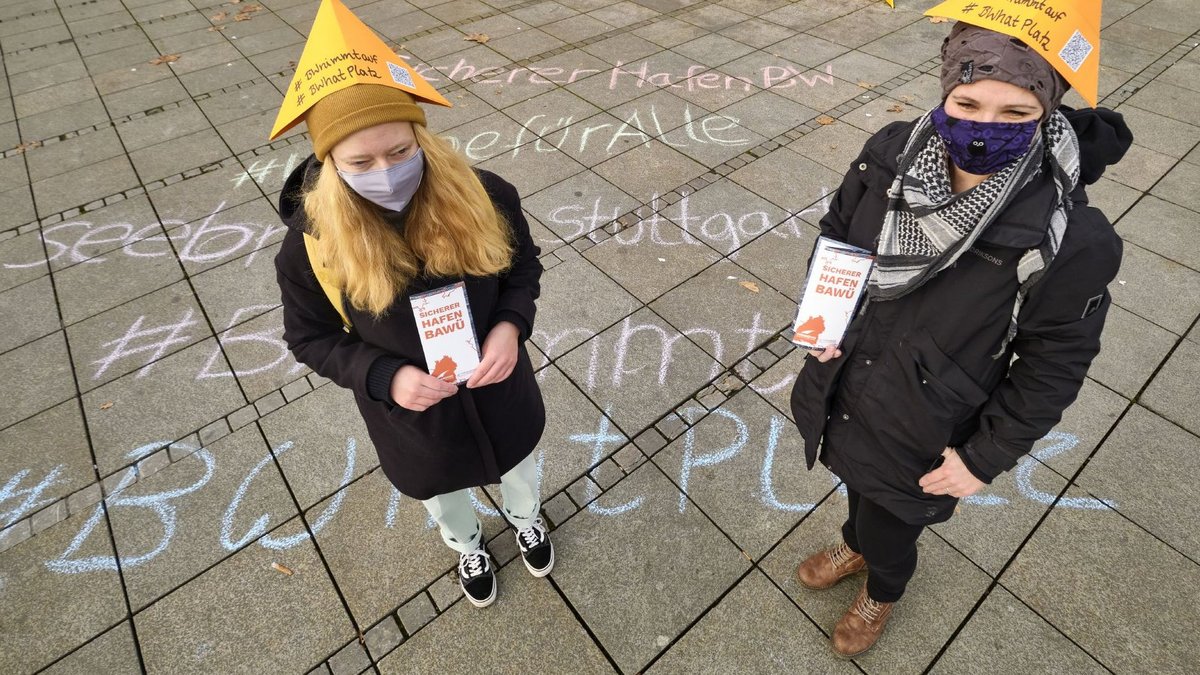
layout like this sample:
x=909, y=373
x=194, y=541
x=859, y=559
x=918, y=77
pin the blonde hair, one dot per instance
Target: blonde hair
x=451, y=229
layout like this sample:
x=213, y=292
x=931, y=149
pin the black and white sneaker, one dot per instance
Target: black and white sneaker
x=536, y=549
x=477, y=577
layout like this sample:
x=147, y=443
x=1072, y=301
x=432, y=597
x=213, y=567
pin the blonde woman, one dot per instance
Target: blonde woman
x=394, y=212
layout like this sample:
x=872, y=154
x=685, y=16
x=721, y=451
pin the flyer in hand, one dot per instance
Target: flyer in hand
x=447, y=334
x=835, y=285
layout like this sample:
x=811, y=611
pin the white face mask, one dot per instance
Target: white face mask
x=393, y=187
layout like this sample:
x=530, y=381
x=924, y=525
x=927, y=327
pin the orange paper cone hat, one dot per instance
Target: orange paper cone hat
x=342, y=52
x=1065, y=32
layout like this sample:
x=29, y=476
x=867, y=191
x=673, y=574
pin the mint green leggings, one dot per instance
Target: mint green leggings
x=455, y=515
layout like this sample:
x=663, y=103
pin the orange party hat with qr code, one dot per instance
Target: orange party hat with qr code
x=342, y=52
x=1065, y=32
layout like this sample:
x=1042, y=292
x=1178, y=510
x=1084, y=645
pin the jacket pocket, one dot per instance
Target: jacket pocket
x=953, y=387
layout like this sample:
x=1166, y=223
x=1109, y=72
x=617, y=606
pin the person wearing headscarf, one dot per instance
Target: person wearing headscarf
x=983, y=311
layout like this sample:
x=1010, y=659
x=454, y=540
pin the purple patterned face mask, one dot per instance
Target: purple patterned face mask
x=983, y=148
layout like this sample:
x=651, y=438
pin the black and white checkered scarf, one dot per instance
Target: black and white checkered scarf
x=927, y=226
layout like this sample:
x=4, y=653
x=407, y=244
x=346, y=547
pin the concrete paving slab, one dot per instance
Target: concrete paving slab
x=835, y=146
x=787, y=179
x=1171, y=393
x=1167, y=99
x=34, y=303
x=88, y=290
x=774, y=384
x=54, y=600
x=83, y=186
x=1112, y=198
x=1124, y=331
x=179, y=155
x=784, y=640
x=1157, y=289
x=22, y=259
x=38, y=377
x=1140, y=169
x=182, y=393
x=578, y=205
x=646, y=599
x=109, y=231
x=647, y=269
x=1083, y=426
x=577, y=437
x=74, y=153
x=745, y=470
x=258, y=355
x=228, y=290
x=153, y=326
x=1131, y=614
x=47, y=453
x=1158, y=132
x=636, y=366
x=923, y=620
x=526, y=612
x=1004, y=635
x=330, y=443
x=227, y=234
x=723, y=215
x=198, y=197
x=1119, y=474
x=222, y=498
x=113, y=652
x=562, y=323
x=778, y=257
x=670, y=31
x=549, y=169
x=726, y=310
x=230, y=616
x=649, y=170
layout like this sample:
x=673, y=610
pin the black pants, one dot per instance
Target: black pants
x=888, y=544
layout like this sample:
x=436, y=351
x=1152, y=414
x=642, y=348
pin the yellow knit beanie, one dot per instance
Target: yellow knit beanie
x=354, y=108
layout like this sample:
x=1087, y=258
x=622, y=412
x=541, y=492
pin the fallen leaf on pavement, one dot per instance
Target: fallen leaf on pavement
x=27, y=145
x=938, y=19
x=825, y=120
x=220, y=16
x=216, y=29
x=481, y=38
x=749, y=285
x=865, y=85
x=106, y=405
x=896, y=107
x=165, y=58
x=246, y=13
x=281, y=569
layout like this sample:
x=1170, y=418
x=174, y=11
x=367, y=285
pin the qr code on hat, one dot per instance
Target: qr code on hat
x=400, y=75
x=1076, y=51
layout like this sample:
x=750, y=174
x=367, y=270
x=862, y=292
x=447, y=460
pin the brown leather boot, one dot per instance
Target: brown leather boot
x=825, y=568
x=861, y=625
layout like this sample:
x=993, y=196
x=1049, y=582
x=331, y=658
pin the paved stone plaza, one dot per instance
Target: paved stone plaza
x=674, y=157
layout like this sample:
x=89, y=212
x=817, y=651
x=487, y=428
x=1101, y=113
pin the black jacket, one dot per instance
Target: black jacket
x=917, y=373
x=466, y=440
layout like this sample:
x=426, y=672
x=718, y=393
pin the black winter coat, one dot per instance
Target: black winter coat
x=917, y=373
x=466, y=440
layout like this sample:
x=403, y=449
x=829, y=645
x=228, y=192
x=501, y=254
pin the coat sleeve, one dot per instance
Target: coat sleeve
x=520, y=286
x=1058, y=335
x=312, y=328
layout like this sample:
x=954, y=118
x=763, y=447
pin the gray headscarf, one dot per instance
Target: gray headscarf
x=972, y=53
